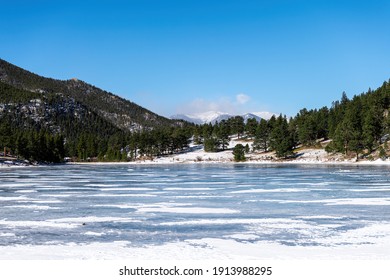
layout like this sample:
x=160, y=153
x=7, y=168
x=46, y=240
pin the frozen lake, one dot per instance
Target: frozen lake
x=194, y=211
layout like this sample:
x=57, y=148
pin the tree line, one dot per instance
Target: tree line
x=127, y=146
x=40, y=145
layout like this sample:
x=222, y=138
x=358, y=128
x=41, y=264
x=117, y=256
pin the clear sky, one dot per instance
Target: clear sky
x=185, y=56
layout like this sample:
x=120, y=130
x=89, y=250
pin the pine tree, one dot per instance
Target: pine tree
x=306, y=127
x=281, y=141
x=81, y=148
x=22, y=146
x=369, y=131
x=197, y=135
x=59, y=149
x=222, y=133
x=262, y=136
x=207, y=130
x=211, y=144
x=348, y=135
x=250, y=127
x=5, y=132
x=237, y=125
x=239, y=153
x=321, y=119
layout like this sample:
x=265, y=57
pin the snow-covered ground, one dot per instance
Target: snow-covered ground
x=201, y=249
x=10, y=162
x=196, y=154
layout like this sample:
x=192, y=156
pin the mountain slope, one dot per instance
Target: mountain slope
x=122, y=113
x=45, y=127
x=52, y=112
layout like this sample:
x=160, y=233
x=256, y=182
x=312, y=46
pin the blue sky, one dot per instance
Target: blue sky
x=193, y=56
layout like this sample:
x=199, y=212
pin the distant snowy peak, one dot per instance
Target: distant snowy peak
x=213, y=117
x=265, y=115
x=202, y=118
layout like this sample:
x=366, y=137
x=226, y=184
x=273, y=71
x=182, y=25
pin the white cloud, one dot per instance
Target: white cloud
x=242, y=98
x=199, y=105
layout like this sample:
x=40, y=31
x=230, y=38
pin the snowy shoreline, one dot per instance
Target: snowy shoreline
x=151, y=162
x=201, y=249
x=196, y=154
x=174, y=161
x=199, y=156
x=212, y=162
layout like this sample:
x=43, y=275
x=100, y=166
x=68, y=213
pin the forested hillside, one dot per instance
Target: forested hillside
x=122, y=113
x=31, y=121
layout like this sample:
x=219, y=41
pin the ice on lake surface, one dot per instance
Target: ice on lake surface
x=227, y=211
